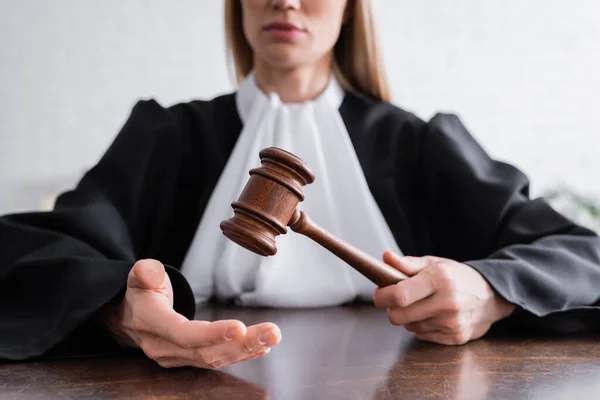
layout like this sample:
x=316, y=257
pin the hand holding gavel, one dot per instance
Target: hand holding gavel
x=268, y=204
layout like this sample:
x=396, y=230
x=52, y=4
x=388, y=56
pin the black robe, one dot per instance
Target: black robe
x=440, y=193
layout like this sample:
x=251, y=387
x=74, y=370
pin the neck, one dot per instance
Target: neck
x=293, y=85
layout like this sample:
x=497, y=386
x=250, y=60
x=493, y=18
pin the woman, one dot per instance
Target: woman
x=125, y=256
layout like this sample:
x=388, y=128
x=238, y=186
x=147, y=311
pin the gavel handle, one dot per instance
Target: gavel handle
x=376, y=271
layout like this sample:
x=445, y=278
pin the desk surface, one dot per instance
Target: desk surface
x=335, y=353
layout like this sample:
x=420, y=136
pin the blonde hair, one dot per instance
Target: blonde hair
x=357, y=65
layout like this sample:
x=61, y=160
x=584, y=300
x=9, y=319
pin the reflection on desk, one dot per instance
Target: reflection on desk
x=333, y=353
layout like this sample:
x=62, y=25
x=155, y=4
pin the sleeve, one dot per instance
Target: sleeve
x=480, y=214
x=59, y=268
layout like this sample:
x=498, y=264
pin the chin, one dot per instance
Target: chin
x=286, y=57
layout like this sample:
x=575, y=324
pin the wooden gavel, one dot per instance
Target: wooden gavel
x=268, y=204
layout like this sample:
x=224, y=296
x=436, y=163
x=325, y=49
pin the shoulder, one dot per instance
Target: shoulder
x=386, y=129
x=450, y=150
x=191, y=123
x=384, y=116
x=151, y=113
x=449, y=144
x=381, y=132
x=448, y=130
x=206, y=110
x=378, y=114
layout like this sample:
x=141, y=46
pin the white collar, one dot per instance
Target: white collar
x=249, y=93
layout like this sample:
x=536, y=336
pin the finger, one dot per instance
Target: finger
x=172, y=362
x=418, y=311
x=452, y=339
x=258, y=339
x=448, y=324
x=146, y=274
x=201, y=333
x=406, y=292
x=424, y=326
x=250, y=357
x=158, y=348
x=162, y=321
x=262, y=336
x=409, y=265
x=257, y=355
x=433, y=324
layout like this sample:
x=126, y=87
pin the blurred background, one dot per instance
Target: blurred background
x=523, y=75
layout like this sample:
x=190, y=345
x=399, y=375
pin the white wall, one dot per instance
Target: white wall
x=522, y=74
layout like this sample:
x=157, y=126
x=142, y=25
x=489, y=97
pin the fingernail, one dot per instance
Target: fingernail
x=232, y=334
x=265, y=337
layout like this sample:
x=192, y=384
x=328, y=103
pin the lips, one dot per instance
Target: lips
x=282, y=26
x=281, y=31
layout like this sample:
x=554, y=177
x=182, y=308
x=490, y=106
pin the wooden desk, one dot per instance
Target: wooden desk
x=337, y=353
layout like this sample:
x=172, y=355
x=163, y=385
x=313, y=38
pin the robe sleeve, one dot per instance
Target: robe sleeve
x=59, y=268
x=480, y=213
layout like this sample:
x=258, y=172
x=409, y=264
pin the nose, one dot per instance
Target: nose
x=286, y=4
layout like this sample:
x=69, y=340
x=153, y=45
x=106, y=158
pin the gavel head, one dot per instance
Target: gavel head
x=268, y=202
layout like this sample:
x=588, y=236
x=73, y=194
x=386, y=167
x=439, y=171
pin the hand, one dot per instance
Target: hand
x=145, y=318
x=443, y=301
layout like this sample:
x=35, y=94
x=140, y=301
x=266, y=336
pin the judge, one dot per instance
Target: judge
x=124, y=258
